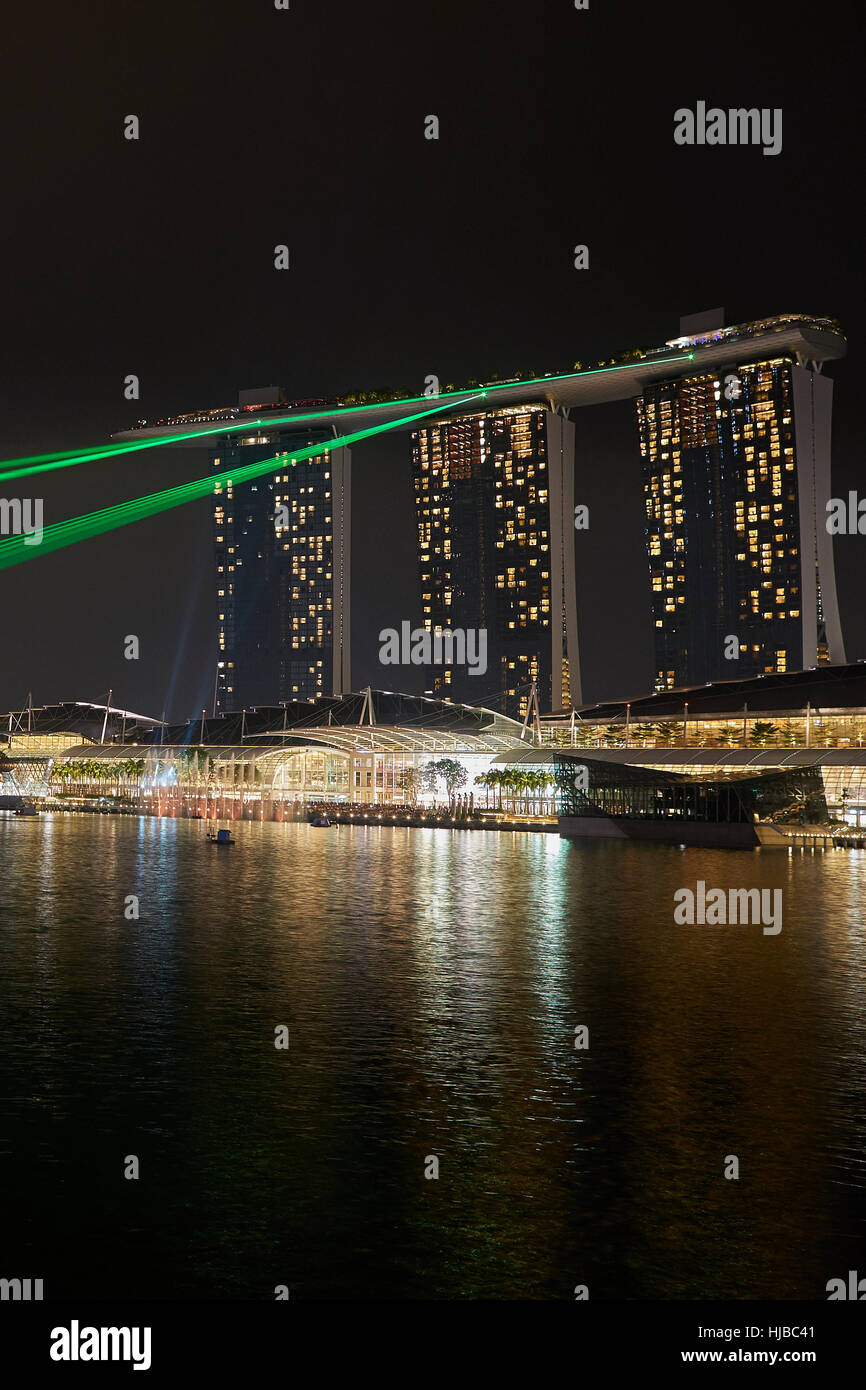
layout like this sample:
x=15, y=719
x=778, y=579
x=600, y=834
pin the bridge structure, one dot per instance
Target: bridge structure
x=811, y=341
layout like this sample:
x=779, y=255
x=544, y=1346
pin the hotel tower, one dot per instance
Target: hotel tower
x=494, y=505
x=282, y=556
x=736, y=473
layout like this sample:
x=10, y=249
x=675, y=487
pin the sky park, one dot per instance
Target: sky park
x=776, y=761
x=809, y=339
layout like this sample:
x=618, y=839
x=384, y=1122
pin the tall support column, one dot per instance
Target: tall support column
x=813, y=403
x=563, y=592
x=341, y=501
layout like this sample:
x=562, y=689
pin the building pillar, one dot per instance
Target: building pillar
x=563, y=592
x=341, y=569
x=813, y=402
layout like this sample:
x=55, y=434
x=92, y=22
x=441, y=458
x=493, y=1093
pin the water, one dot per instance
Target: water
x=432, y=982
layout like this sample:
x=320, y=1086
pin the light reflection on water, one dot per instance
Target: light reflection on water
x=432, y=982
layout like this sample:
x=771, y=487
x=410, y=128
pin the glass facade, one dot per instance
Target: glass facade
x=757, y=727
x=736, y=730
x=25, y=777
x=642, y=793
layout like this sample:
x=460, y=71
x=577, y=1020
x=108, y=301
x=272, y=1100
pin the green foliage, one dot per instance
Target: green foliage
x=452, y=773
x=762, y=732
x=411, y=782
x=667, y=732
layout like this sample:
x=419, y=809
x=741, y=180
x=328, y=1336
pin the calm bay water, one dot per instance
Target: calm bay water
x=432, y=982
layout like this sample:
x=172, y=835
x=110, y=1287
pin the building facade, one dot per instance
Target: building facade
x=781, y=757
x=494, y=511
x=282, y=557
x=261, y=763
x=736, y=469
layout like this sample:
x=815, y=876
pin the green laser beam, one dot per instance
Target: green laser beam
x=68, y=458
x=14, y=550
x=44, y=463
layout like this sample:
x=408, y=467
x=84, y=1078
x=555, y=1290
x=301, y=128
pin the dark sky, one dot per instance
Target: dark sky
x=409, y=257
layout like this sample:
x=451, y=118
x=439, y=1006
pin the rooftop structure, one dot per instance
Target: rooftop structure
x=262, y=760
x=823, y=692
x=805, y=337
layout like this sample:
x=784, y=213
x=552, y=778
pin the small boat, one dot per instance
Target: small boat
x=222, y=837
x=321, y=821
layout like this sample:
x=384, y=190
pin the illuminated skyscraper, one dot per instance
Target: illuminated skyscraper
x=282, y=550
x=736, y=478
x=494, y=509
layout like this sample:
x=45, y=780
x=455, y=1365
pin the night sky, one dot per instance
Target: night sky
x=409, y=257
